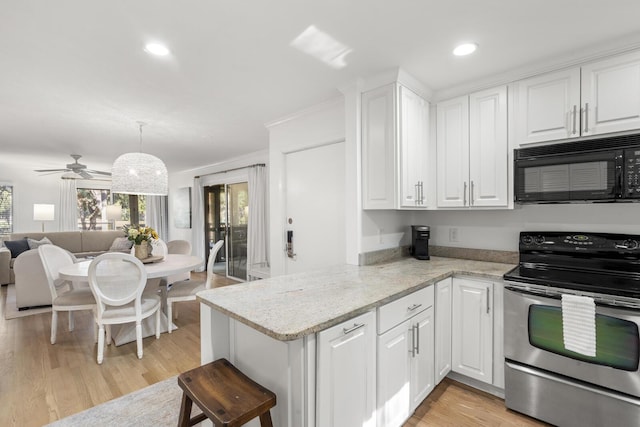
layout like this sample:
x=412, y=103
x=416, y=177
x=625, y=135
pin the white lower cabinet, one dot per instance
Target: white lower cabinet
x=443, y=296
x=405, y=356
x=346, y=373
x=472, y=334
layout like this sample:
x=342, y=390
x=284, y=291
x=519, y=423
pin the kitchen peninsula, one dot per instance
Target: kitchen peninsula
x=311, y=337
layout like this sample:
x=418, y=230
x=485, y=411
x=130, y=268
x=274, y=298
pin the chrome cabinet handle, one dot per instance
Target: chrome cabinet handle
x=574, y=119
x=420, y=193
x=413, y=341
x=487, y=291
x=417, y=192
x=464, y=195
x=353, y=328
x=417, y=338
x=471, y=195
x=414, y=307
x=586, y=117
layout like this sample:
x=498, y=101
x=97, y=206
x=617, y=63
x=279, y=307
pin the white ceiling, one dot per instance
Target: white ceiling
x=74, y=77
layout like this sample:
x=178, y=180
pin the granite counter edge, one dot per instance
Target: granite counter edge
x=280, y=336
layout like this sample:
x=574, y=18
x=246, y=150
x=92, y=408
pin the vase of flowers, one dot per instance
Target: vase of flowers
x=141, y=237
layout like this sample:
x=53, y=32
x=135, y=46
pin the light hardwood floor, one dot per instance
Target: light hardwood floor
x=41, y=383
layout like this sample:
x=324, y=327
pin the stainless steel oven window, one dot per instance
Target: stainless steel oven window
x=617, y=342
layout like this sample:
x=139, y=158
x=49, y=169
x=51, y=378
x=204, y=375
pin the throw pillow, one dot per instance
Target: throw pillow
x=121, y=244
x=17, y=246
x=33, y=243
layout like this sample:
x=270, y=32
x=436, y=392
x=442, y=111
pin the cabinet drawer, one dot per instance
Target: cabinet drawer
x=396, y=312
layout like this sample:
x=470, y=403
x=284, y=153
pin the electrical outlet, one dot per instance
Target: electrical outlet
x=454, y=234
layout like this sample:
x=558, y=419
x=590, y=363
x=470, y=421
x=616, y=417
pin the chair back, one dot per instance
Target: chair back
x=53, y=259
x=179, y=247
x=159, y=248
x=117, y=279
x=212, y=259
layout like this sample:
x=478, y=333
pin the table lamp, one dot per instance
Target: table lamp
x=43, y=212
x=114, y=213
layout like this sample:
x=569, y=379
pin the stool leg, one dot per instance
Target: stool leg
x=265, y=419
x=185, y=411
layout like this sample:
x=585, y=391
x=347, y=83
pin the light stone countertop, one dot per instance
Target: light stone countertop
x=293, y=306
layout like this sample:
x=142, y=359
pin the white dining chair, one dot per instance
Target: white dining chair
x=179, y=247
x=117, y=281
x=70, y=299
x=186, y=290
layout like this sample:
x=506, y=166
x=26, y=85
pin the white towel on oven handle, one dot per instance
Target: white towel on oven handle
x=579, y=324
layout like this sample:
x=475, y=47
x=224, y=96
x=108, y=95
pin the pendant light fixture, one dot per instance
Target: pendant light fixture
x=139, y=173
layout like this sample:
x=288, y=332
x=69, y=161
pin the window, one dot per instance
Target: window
x=92, y=209
x=6, y=210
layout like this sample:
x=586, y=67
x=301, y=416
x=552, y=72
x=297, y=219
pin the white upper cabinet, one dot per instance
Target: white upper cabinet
x=452, y=139
x=599, y=97
x=472, y=150
x=611, y=95
x=395, y=131
x=548, y=107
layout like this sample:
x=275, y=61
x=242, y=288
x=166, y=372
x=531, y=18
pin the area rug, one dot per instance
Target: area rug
x=12, y=312
x=157, y=405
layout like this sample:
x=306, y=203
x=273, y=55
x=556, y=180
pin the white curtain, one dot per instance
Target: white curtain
x=257, y=239
x=197, y=227
x=68, y=205
x=157, y=215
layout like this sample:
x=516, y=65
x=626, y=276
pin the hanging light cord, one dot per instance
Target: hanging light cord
x=141, y=124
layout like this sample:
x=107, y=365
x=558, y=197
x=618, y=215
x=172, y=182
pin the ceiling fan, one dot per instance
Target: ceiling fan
x=76, y=170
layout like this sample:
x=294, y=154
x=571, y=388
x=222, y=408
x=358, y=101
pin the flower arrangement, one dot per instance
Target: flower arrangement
x=138, y=234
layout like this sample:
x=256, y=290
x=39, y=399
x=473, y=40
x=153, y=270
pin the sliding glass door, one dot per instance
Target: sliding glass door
x=226, y=218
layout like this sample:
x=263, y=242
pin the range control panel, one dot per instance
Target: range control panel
x=569, y=241
x=631, y=173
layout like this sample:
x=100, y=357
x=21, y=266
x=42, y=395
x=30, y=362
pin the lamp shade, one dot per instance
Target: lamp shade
x=114, y=212
x=139, y=173
x=43, y=212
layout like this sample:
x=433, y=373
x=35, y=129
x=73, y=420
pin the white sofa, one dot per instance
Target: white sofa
x=30, y=280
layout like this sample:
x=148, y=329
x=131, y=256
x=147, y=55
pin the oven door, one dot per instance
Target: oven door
x=569, y=177
x=533, y=337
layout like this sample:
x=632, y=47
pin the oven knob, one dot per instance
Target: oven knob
x=631, y=244
x=538, y=240
x=527, y=240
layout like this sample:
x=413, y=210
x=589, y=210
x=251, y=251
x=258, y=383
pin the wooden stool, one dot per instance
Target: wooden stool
x=225, y=395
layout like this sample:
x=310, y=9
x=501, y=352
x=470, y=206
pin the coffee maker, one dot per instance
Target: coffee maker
x=420, y=241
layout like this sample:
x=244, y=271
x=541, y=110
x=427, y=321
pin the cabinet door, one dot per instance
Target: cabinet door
x=488, y=150
x=413, y=135
x=472, y=347
x=443, y=329
x=346, y=371
x=548, y=107
x=422, y=376
x=611, y=95
x=378, y=148
x=452, y=141
x=394, y=394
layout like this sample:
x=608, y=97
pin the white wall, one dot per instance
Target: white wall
x=314, y=127
x=30, y=188
x=498, y=229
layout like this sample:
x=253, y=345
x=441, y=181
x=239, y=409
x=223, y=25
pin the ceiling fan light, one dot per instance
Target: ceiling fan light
x=139, y=173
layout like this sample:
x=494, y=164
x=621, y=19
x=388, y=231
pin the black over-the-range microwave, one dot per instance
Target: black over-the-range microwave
x=594, y=170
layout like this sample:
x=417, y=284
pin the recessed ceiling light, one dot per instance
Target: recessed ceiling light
x=156, y=49
x=465, y=49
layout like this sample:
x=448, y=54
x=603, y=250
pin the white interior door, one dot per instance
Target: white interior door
x=315, y=207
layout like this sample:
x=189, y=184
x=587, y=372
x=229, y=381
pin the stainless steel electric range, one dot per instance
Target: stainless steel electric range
x=543, y=378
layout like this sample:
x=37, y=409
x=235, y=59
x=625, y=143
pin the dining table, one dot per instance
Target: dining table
x=159, y=268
